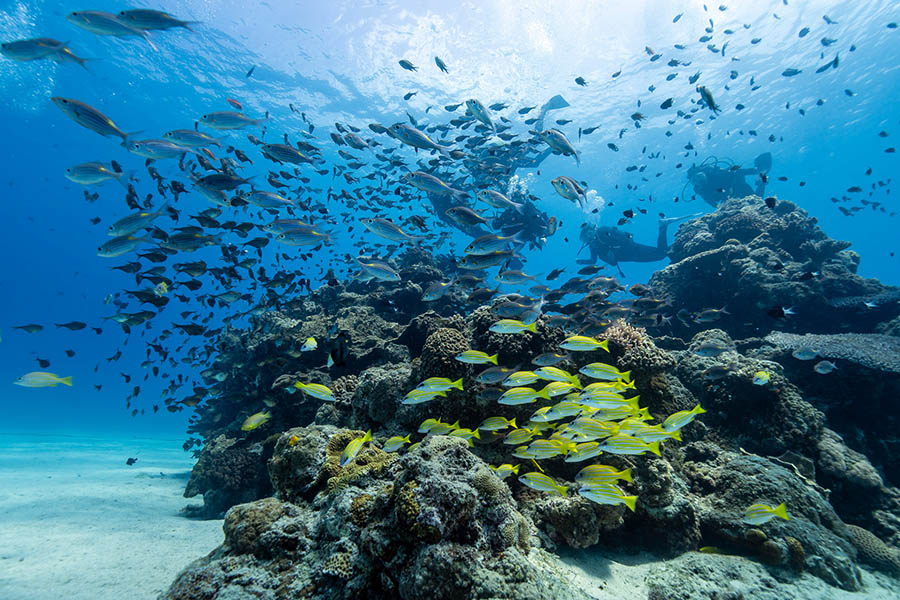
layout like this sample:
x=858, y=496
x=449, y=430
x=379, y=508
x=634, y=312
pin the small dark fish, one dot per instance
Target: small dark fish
x=30, y=328
x=791, y=72
x=580, y=81
x=771, y=201
x=72, y=325
x=43, y=362
x=666, y=104
x=803, y=32
x=250, y=72
x=131, y=461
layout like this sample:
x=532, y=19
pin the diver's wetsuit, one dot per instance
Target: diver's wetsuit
x=612, y=245
x=715, y=183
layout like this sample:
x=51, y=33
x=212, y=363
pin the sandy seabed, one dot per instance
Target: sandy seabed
x=77, y=523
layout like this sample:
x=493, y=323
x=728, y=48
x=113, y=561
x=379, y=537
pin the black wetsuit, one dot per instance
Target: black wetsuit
x=612, y=245
x=715, y=184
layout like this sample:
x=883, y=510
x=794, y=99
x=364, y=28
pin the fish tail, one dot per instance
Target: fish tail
x=562, y=489
x=698, y=410
x=781, y=511
x=654, y=448
x=68, y=381
x=512, y=423
x=406, y=439
x=532, y=327
x=626, y=476
x=367, y=437
x=605, y=345
x=458, y=384
x=493, y=359
x=625, y=376
x=676, y=435
x=630, y=501
x=544, y=394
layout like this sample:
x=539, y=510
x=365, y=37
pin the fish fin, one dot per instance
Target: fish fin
x=781, y=511
x=626, y=475
x=367, y=437
x=493, y=359
x=512, y=423
x=68, y=381
x=676, y=435
x=654, y=448
x=630, y=501
x=532, y=327
x=458, y=384
x=699, y=410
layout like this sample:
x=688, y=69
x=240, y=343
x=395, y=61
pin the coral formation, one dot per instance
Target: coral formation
x=873, y=551
x=870, y=350
x=229, y=471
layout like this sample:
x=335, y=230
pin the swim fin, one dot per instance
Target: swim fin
x=763, y=162
x=553, y=103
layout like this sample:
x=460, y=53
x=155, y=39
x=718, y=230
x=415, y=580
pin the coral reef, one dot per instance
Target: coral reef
x=432, y=527
x=873, y=551
x=751, y=259
x=870, y=350
x=432, y=520
x=229, y=471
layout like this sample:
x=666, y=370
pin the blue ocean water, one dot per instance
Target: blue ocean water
x=338, y=62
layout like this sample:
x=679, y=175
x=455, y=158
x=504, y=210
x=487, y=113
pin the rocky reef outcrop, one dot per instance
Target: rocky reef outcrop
x=432, y=519
x=434, y=524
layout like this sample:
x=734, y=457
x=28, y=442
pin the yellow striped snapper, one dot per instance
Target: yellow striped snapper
x=521, y=395
x=542, y=483
x=513, y=326
x=542, y=449
x=476, y=357
x=558, y=388
x=353, y=448
x=676, y=421
x=584, y=451
x=421, y=396
x=466, y=434
x=316, y=390
x=39, y=379
x=607, y=493
x=519, y=436
x=551, y=373
x=604, y=371
x=524, y=453
x=520, y=378
x=608, y=400
x=395, y=443
x=592, y=429
x=583, y=343
x=497, y=424
x=505, y=470
x=256, y=420
x=758, y=514
x=436, y=426
x=650, y=433
x=592, y=474
x=625, y=444
x=440, y=384
x=561, y=410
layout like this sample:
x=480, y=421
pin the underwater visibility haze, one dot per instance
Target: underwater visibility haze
x=454, y=300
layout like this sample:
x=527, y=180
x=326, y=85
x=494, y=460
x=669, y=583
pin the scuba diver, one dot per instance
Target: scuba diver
x=717, y=180
x=612, y=245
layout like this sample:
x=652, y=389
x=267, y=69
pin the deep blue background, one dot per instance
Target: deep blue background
x=339, y=63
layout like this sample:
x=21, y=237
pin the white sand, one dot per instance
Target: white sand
x=609, y=575
x=77, y=523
